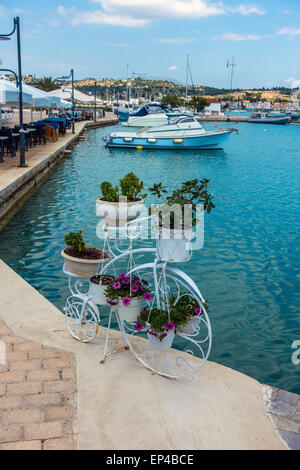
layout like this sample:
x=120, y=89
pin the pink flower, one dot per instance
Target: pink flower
x=197, y=311
x=148, y=296
x=117, y=285
x=122, y=275
x=126, y=281
x=134, y=288
x=170, y=326
x=126, y=301
x=138, y=326
x=141, y=287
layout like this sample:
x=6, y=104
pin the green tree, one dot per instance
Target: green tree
x=171, y=100
x=46, y=84
x=198, y=102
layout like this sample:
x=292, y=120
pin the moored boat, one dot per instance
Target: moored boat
x=265, y=118
x=186, y=134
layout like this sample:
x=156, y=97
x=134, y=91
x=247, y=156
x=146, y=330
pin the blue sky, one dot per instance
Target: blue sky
x=98, y=38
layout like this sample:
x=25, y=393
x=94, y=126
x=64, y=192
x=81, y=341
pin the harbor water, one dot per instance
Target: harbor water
x=248, y=269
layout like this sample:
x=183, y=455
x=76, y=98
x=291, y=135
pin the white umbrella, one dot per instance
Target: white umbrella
x=40, y=98
x=65, y=104
x=9, y=95
x=55, y=101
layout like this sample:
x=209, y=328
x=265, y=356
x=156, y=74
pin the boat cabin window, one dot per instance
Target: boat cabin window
x=184, y=120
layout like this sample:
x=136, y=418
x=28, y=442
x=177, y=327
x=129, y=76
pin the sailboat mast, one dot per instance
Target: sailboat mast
x=187, y=77
x=231, y=79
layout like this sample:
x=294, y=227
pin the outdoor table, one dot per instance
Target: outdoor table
x=2, y=139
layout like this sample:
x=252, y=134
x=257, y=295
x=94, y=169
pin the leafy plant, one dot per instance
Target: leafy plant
x=185, y=308
x=191, y=193
x=109, y=193
x=125, y=289
x=75, y=241
x=130, y=187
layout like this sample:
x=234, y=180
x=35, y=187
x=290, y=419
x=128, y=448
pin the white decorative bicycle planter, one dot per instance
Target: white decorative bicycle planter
x=191, y=343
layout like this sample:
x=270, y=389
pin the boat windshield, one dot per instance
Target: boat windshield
x=185, y=120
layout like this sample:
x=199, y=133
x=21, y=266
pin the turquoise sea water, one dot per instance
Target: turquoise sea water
x=249, y=267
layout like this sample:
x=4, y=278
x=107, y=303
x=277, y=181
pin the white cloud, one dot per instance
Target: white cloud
x=173, y=67
x=174, y=40
x=289, y=31
x=167, y=9
x=3, y=11
x=247, y=9
x=139, y=13
x=241, y=37
x=290, y=80
x=77, y=17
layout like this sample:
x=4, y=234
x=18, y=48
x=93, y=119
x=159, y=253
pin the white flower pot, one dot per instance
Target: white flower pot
x=191, y=326
x=96, y=291
x=83, y=267
x=164, y=344
x=174, y=245
x=131, y=312
x=117, y=213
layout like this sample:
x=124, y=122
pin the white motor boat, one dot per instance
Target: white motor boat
x=150, y=116
x=186, y=134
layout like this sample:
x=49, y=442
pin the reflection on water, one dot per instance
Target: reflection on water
x=249, y=267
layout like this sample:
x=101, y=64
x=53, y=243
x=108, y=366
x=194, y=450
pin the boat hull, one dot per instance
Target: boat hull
x=202, y=142
x=277, y=120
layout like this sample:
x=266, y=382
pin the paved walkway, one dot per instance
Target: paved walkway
x=37, y=396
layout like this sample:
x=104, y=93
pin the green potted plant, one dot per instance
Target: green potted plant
x=128, y=293
x=80, y=259
x=174, y=236
x=186, y=313
x=112, y=206
x=160, y=327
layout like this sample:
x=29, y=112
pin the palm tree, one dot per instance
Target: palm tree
x=46, y=84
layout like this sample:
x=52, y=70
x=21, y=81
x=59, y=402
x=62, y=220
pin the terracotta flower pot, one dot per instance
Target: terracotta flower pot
x=84, y=267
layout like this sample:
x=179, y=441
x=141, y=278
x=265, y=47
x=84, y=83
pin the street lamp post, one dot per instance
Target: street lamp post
x=68, y=77
x=6, y=37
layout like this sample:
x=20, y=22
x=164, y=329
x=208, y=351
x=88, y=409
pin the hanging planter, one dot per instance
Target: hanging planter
x=128, y=292
x=160, y=327
x=187, y=313
x=129, y=308
x=111, y=207
x=82, y=260
x=174, y=245
x=162, y=344
x=97, y=288
x=191, y=327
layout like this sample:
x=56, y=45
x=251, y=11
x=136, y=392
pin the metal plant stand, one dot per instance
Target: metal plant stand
x=164, y=279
